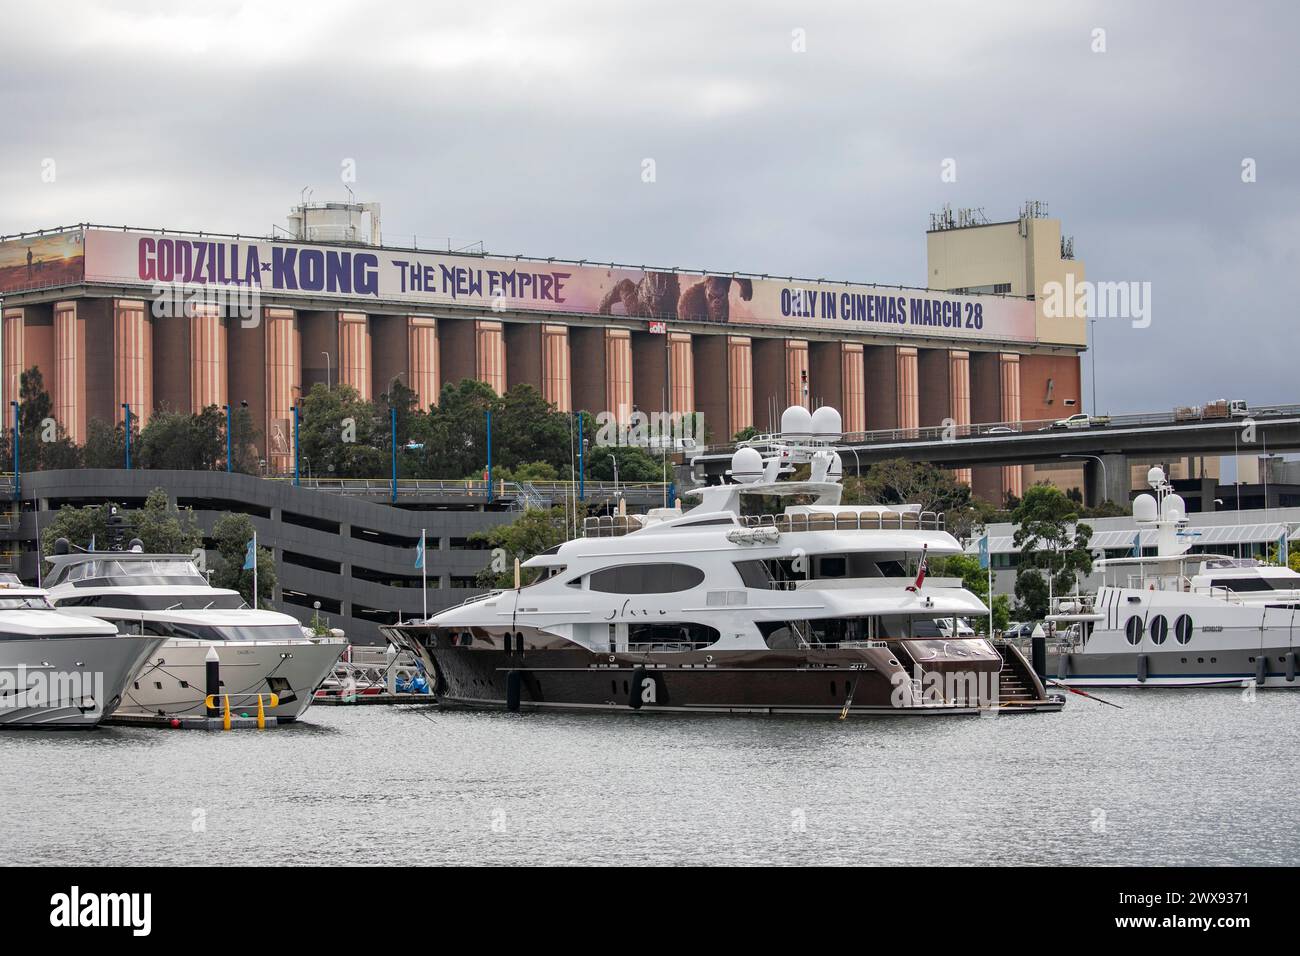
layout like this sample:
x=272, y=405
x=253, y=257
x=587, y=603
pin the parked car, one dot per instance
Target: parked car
x=1002, y=430
x=1081, y=420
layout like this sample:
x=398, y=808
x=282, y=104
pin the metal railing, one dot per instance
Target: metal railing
x=1006, y=429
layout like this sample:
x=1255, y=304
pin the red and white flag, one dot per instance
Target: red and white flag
x=920, y=572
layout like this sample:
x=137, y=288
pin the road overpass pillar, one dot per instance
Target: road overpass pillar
x=1108, y=483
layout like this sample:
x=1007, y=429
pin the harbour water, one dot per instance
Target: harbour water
x=1175, y=778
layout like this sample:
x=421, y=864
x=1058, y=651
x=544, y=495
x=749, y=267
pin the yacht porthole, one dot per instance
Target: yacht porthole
x=1159, y=629
x=1133, y=630
x=1183, y=629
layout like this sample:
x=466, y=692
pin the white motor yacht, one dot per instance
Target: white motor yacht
x=59, y=669
x=166, y=596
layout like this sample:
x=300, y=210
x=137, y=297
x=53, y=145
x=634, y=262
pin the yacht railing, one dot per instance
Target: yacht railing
x=615, y=526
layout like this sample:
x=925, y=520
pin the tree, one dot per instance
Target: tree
x=340, y=434
x=526, y=427
x=105, y=445
x=231, y=535
x=1051, y=539
x=183, y=441
x=976, y=580
x=634, y=464
x=534, y=531
x=745, y=434
x=43, y=442
x=161, y=527
x=454, y=433
x=900, y=482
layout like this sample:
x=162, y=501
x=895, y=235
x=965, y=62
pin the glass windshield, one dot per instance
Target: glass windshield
x=110, y=570
x=27, y=602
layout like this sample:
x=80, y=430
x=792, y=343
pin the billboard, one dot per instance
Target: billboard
x=39, y=262
x=426, y=279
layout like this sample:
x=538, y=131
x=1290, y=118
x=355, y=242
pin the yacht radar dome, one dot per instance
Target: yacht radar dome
x=827, y=425
x=1156, y=477
x=746, y=465
x=1173, y=508
x=796, y=423
x=1144, y=508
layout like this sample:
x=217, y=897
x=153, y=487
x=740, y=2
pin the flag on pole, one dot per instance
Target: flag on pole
x=92, y=542
x=1137, y=545
x=1282, y=549
x=250, y=556
x=920, y=572
x=419, y=553
x=984, y=552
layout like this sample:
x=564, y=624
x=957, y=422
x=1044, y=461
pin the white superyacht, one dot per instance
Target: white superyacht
x=812, y=610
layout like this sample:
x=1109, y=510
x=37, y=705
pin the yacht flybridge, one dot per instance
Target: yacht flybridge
x=812, y=610
x=59, y=669
x=166, y=596
x=1178, y=619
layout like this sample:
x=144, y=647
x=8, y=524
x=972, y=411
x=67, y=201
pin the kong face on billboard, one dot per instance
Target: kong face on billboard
x=396, y=278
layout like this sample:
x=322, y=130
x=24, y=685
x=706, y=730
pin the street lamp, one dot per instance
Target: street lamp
x=18, y=474
x=615, y=461
x=229, y=434
x=1105, y=484
x=126, y=407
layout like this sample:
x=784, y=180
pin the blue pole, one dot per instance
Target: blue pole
x=18, y=475
x=582, y=487
x=295, y=445
x=126, y=406
x=392, y=417
x=229, y=457
x=489, y=451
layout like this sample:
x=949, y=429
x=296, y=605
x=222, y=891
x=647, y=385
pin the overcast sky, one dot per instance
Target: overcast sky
x=526, y=124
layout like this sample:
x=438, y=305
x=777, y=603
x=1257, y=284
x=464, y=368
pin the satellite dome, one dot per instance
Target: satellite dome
x=827, y=425
x=1144, y=508
x=1173, y=508
x=1156, y=477
x=796, y=423
x=746, y=465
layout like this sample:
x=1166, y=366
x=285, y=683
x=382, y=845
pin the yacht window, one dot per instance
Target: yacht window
x=1159, y=629
x=1133, y=629
x=670, y=637
x=28, y=602
x=834, y=567
x=706, y=522
x=1183, y=629
x=234, y=633
x=1242, y=584
x=646, y=579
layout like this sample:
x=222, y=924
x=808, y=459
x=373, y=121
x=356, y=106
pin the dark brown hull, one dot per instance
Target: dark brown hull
x=828, y=683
